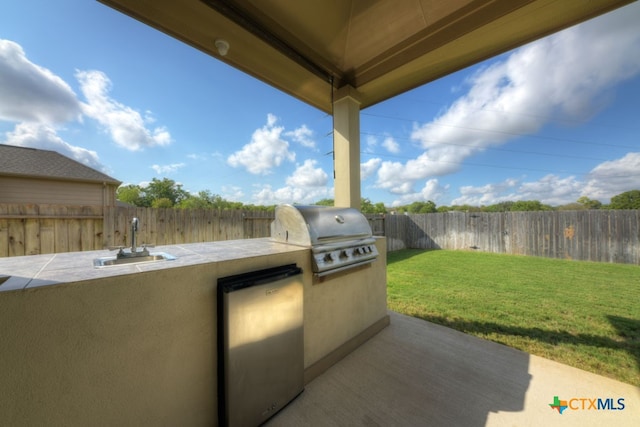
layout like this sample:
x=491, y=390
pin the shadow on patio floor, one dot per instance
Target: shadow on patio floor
x=416, y=373
x=401, y=378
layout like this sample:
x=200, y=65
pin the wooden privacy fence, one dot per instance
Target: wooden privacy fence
x=590, y=235
x=174, y=226
x=596, y=235
x=40, y=229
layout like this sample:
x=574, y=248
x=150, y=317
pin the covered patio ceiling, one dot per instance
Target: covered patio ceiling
x=381, y=48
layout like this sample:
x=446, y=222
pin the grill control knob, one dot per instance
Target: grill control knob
x=343, y=254
x=328, y=258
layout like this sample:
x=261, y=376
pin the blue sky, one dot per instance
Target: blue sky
x=552, y=121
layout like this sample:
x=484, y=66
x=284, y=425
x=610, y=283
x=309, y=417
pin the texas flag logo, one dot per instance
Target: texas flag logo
x=558, y=404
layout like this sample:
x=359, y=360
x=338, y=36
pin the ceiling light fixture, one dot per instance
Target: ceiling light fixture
x=235, y=13
x=222, y=46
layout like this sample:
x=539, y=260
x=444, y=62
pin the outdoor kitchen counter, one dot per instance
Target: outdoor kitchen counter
x=136, y=344
x=33, y=271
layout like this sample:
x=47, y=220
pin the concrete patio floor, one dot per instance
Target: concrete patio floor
x=416, y=373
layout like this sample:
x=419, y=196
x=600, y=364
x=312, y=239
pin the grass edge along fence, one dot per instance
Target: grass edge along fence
x=588, y=235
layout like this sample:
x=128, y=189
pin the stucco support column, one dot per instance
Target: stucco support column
x=346, y=147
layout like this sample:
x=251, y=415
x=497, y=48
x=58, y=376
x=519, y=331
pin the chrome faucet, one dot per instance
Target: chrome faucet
x=134, y=230
x=134, y=244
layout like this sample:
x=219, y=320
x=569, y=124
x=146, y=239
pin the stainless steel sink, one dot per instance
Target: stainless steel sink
x=113, y=260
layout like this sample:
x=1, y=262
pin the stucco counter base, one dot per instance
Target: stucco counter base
x=136, y=344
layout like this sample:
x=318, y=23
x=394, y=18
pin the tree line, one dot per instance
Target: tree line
x=626, y=200
x=166, y=193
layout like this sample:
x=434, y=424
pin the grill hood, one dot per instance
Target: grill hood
x=316, y=225
x=340, y=238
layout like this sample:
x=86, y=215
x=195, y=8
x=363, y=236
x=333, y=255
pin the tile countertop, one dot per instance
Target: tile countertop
x=32, y=271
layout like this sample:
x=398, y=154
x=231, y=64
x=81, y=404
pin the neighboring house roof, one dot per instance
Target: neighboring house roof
x=46, y=164
x=121, y=204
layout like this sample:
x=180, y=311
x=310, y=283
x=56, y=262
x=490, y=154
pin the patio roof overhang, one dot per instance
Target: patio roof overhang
x=379, y=47
x=342, y=56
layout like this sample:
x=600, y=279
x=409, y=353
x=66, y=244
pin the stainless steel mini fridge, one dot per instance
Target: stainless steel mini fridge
x=260, y=344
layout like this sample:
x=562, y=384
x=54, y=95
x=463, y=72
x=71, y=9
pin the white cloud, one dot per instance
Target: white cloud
x=307, y=184
x=31, y=93
x=38, y=100
x=308, y=175
x=266, y=150
x=369, y=167
x=127, y=127
x=391, y=145
x=232, y=192
x=266, y=195
x=488, y=194
x=167, y=169
x=303, y=136
x=566, y=75
x=613, y=177
x=603, y=182
x=388, y=143
x=550, y=189
x=391, y=177
x=44, y=137
x=432, y=190
x=370, y=144
x=399, y=178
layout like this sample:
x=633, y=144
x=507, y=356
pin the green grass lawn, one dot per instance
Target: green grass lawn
x=582, y=314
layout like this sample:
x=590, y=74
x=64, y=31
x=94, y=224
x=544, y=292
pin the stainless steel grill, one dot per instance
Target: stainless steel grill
x=339, y=238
